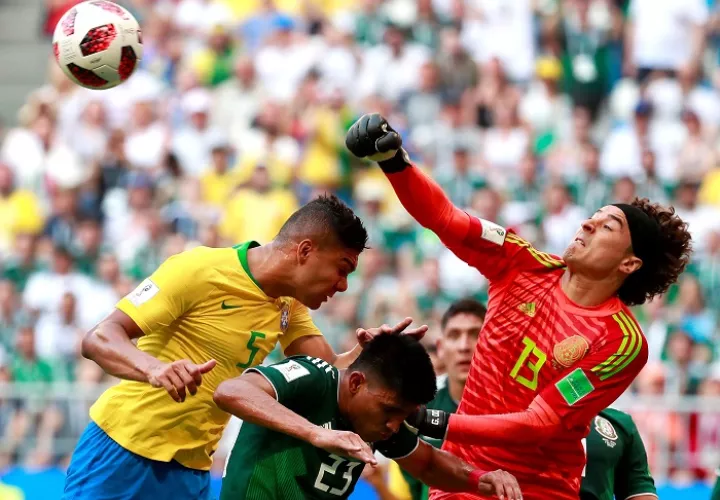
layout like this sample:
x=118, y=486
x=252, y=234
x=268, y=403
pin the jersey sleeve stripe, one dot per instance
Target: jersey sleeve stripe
x=634, y=353
x=621, y=350
x=544, y=258
x=630, y=338
x=255, y=370
x=608, y=371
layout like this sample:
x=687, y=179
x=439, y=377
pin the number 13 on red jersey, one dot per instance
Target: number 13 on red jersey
x=532, y=358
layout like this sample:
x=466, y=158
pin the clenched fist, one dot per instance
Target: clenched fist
x=178, y=376
x=373, y=138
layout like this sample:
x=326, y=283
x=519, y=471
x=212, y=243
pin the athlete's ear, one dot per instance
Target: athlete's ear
x=439, y=347
x=304, y=249
x=630, y=264
x=357, y=380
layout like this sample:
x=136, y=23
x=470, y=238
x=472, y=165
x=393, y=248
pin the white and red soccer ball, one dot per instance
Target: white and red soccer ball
x=98, y=44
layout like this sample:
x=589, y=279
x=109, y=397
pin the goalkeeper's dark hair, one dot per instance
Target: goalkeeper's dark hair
x=326, y=216
x=401, y=364
x=467, y=305
x=671, y=256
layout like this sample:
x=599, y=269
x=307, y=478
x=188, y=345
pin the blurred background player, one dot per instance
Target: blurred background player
x=205, y=316
x=560, y=343
x=617, y=464
x=309, y=428
x=459, y=330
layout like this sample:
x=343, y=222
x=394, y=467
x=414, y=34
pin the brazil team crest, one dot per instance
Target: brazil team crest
x=569, y=351
x=285, y=317
x=605, y=428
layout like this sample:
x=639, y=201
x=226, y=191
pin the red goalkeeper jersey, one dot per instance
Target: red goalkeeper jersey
x=536, y=346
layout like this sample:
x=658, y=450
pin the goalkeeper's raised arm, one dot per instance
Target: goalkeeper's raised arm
x=482, y=244
x=373, y=138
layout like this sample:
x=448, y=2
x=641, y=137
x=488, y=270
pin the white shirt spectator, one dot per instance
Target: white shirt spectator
x=45, y=290
x=705, y=103
x=56, y=339
x=338, y=68
x=458, y=278
x=144, y=148
x=255, y=144
x=621, y=153
x=199, y=15
x=282, y=68
x=701, y=221
x=235, y=105
x=662, y=31
x=504, y=30
x=23, y=151
x=390, y=77
x=193, y=147
x=503, y=150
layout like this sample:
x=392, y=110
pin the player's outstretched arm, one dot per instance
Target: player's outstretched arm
x=444, y=471
x=110, y=345
x=373, y=138
x=574, y=398
x=253, y=399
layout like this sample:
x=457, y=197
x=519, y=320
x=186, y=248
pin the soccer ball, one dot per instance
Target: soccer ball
x=98, y=44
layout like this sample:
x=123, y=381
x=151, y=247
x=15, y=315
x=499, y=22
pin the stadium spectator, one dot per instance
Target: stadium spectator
x=236, y=116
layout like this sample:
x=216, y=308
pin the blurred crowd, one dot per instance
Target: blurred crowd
x=531, y=113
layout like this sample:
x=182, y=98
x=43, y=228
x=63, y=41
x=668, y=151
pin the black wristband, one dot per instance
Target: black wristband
x=429, y=422
x=397, y=163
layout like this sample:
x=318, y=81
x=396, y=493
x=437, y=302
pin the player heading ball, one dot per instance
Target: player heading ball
x=559, y=343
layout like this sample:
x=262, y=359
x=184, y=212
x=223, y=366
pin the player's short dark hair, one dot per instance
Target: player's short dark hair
x=326, y=215
x=401, y=364
x=670, y=258
x=468, y=305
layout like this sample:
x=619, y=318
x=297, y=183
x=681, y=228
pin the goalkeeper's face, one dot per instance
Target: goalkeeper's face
x=602, y=247
x=322, y=272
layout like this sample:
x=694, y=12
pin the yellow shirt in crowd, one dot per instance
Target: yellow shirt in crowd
x=259, y=216
x=19, y=213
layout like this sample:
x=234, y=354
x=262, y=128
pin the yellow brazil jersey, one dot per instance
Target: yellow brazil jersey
x=199, y=305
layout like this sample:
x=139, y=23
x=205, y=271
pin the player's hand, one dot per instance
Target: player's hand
x=179, y=377
x=345, y=443
x=364, y=336
x=429, y=423
x=373, y=138
x=501, y=484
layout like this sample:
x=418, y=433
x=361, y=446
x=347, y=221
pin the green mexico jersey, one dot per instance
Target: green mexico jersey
x=617, y=465
x=443, y=401
x=267, y=465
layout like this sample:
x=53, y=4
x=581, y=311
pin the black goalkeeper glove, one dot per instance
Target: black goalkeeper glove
x=430, y=423
x=373, y=138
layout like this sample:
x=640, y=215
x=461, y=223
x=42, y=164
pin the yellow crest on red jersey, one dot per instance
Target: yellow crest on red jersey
x=528, y=308
x=570, y=351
